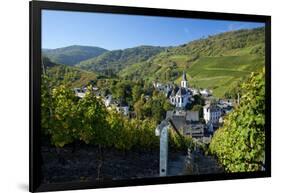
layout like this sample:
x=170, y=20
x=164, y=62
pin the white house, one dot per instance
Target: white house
x=95, y=88
x=194, y=91
x=108, y=100
x=79, y=92
x=212, y=113
x=123, y=109
x=205, y=92
x=180, y=96
x=158, y=85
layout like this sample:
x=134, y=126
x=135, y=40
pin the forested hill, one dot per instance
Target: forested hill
x=72, y=55
x=116, y=60
x=68, y=75
x=217, y=62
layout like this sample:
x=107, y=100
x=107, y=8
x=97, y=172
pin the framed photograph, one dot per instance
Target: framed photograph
x=126, y=96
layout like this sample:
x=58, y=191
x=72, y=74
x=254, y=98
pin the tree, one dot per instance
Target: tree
x=122, y=91
x=233, y=92
x=156, y=109
x=240, y=143
x=198, y=100
x=136, y=92
x=118, y=91
x=139, y=108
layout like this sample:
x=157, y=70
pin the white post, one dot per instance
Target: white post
x=162, y=131
x=238, y=100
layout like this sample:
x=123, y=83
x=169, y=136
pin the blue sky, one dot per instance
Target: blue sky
x=115, y=31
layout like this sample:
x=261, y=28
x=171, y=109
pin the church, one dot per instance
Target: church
x=180, y=96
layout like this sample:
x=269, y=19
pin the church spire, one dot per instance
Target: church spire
x=184, y=81
x=183, y=76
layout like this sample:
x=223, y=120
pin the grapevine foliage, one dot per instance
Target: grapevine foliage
x=66, y=118
x=240, y=143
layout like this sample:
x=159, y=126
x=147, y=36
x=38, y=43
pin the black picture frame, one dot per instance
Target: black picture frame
x=35, y=77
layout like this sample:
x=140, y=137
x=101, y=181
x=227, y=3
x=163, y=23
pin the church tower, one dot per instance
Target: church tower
x=184, y=81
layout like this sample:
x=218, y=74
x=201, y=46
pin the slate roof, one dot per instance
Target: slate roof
x=212, y=107
x=174, y=91
x=182, y=91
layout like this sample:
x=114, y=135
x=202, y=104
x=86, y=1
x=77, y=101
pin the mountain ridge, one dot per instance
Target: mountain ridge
x=71, y=55
x=115, y=60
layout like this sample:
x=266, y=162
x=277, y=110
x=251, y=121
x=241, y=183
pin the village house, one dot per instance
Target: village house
x=123, y=109
x=157, y=85
x=108, y=100
x=205, y=92
x=194, y=91
x=79, y=92
x=226, y=105
x=212, y=114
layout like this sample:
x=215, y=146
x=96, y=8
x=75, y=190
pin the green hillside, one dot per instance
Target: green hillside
x=240, y=42
x=222, y=73
x=113, y=61
x=70, y=76
x=72, y=55
x=217, y=62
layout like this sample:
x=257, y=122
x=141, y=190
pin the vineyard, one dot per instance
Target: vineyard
x=67, y=119
x=240, y=143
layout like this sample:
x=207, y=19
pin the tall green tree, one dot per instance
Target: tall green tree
x=136, y=92
x=139, y=108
